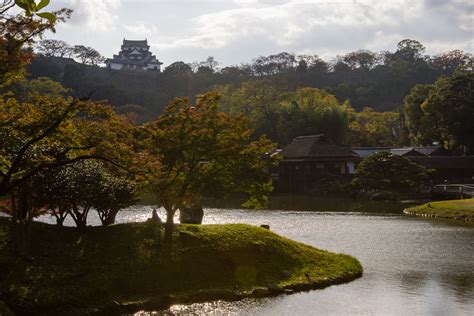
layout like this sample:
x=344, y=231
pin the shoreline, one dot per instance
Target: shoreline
x=205, y=296
x=456, y=210
x=124, y=268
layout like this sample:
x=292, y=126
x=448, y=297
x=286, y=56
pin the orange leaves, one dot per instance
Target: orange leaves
x=204, y=151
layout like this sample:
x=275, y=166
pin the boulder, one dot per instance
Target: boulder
x=154, y=218
x=191, y=215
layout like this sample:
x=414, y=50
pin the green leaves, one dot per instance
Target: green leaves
x=203, y=151
x=47, y=15
x=31, y=8
x=385, y=172
x=42, y=4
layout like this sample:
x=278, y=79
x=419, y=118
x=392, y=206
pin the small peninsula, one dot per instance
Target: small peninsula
x=127, y=267
x=460, y=210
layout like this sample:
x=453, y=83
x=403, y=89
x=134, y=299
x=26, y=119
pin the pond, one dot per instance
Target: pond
x=411, y=265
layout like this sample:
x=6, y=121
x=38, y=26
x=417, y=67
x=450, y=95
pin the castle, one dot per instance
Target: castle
x=134, y=55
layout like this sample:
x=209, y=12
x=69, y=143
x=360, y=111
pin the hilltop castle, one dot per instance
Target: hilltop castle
x=134, y=55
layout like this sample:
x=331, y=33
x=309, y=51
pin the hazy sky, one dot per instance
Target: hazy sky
x=236, y=31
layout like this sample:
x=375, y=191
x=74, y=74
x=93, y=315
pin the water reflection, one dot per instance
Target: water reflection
x=411, y=266
x=320, y=204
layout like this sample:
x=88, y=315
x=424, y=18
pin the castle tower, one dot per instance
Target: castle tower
x=134, y=55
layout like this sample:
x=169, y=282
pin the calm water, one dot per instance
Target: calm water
x=411, y=266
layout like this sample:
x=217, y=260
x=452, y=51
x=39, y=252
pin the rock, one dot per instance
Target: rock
x=154, y=218
x=286, y=274
x=112, y=308
x=214, y=294
x=261, y=292
x=191, y=215
x=266, y=226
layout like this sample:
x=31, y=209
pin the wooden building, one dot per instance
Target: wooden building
x=314, y=164
x=310, y=162
x=446, y=167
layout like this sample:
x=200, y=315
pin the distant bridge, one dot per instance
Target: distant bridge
x=463, y=190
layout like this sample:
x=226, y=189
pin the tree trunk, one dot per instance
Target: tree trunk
x=80, y=218
x=108, y=218
x=21, y=203
x=169, y=224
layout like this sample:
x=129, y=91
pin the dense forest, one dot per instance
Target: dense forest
x=357, y=99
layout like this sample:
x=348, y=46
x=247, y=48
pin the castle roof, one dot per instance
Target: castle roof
x=142, y=62
x=139, y=43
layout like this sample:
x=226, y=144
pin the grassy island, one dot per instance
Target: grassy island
x=125, y=268
x=462, y=210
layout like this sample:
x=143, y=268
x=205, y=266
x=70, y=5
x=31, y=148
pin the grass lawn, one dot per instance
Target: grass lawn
x=452, y=209
x=126, y=266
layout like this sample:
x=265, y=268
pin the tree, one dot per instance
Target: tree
x=77, y=188
x=387, y=173
x=421, y=129
x=25, y=90
x=450, y=109
x=88, y=55
x=114, y=193
x=54, y=48
x=210, y=63
x=178, y=69
x=371, y=128
x=410, y=50
x=311, y=63
x=310, y=111
x=45, y=133
x=363, y=59
x=450, y=61
x=19, y=31
x=274, y=64
x=201, y=151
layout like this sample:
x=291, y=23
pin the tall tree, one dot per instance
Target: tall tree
x=455, y=59
x=202, y=151
x=362, y=59
x=88, y=55
x=54, y=48
x=274, y=64
x=450, y=108
x=410, y=50
x=421, y=129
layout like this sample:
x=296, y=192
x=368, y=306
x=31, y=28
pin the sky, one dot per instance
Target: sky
x=237, y=31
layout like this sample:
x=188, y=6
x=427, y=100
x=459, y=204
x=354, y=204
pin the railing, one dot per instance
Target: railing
x=462, y=189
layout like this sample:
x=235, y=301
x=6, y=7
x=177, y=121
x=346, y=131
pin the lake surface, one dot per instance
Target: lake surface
x=411, y=266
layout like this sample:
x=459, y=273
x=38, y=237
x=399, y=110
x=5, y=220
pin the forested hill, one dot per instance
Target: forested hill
x=377, y=80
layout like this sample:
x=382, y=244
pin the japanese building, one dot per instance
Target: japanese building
x=134, y=55
x=309, y=162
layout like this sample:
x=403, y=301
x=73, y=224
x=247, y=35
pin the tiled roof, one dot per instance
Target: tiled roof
x=142, y=62
x=315, y=146
x=446, y=162
x=432, y=150
x=406, y=151
x=402, y=151
x=143, y=43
